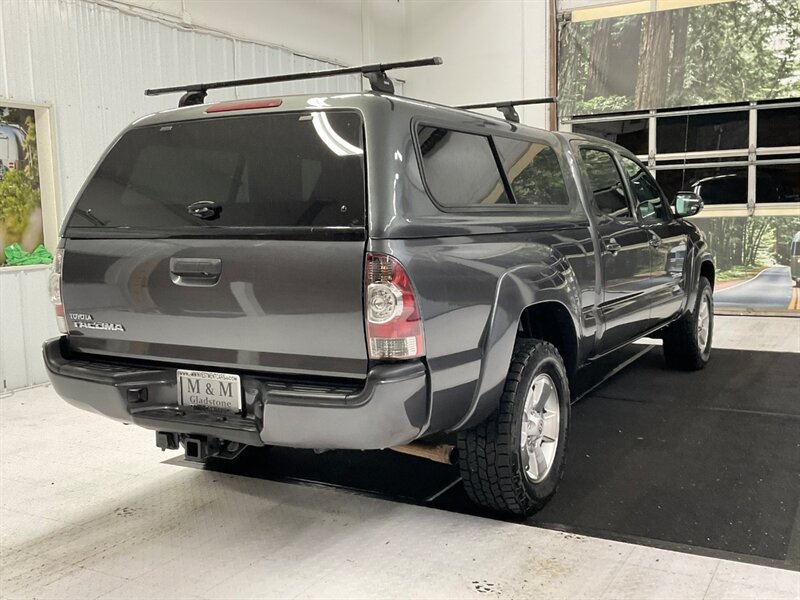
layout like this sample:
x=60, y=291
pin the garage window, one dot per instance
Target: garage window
x=703, y=132
x=632, y=134
x=718, y=185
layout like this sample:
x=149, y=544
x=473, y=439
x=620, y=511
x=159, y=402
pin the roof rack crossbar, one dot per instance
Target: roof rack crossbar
x=507, y=107
x=195, y=93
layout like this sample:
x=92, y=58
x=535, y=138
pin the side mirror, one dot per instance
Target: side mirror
x=687, y=204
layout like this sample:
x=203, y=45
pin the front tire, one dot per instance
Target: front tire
x=687, y=342
x=513, y=461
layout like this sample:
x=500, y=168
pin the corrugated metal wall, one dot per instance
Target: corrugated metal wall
x=92, y=63
x=27, y=317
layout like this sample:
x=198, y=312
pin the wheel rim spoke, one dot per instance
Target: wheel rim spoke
x=703, y=323
x=540, y=461
x=527, y=462
x=540, y=428
x=545, y=392
x=523, y=440
x=550, y=429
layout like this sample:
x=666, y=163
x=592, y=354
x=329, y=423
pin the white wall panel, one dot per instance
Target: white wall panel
x=326, y=29
x=91, y=64
x=27, y=320
x=492, y=51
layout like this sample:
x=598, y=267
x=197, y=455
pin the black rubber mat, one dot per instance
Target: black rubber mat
x=386, y=474
x=706, y=461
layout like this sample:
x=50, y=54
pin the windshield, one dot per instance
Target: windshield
x=281, y=170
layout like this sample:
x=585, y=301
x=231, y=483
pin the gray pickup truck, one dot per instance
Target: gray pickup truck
x=366, y=271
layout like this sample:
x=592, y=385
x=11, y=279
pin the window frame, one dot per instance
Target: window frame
x=53, y=209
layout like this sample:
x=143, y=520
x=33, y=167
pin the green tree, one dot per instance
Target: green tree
x=728, y=52
x=749, y=242
x=742, y=50
x=17, y=200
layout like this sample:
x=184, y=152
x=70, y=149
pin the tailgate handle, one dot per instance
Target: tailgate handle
x=195, y=271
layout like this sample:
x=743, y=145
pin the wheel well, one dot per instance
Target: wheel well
x=707, y=271
x=551, y=322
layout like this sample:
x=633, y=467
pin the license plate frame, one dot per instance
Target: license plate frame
x=209, y=390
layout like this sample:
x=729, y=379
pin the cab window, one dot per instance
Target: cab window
x=648, y=198
x=608, y=192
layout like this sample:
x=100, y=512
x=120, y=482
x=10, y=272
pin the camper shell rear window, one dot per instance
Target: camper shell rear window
x=287, y=170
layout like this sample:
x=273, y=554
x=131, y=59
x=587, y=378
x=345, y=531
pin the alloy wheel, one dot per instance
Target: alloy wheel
x=540, y=427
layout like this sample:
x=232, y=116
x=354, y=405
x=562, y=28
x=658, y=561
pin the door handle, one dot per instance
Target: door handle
x=655, y=241
x=195, y=271
x=613, y=246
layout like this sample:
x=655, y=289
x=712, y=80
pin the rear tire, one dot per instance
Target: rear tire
x=513, y=461
x=687, y=342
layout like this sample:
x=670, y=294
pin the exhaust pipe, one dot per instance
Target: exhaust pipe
x=441, y=453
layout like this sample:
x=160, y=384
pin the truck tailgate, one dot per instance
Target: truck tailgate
x=283, y=306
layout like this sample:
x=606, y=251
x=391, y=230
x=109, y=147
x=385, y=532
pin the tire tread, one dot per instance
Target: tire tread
x=680, y=340
x=486, y=455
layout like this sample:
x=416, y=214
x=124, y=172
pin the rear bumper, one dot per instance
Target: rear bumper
x=390, y=409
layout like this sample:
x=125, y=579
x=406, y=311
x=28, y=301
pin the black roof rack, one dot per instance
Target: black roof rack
x=195, y=93
x=507, y=106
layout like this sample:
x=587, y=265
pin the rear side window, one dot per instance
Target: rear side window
x=460, y=168
x=534, y=173
x=280, y=170
x=606, y=183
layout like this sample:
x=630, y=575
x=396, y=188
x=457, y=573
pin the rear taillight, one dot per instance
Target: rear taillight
x=55, y=290
x=394, y=325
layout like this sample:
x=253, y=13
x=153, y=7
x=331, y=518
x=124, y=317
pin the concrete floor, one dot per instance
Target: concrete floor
x=767, y=334
x=764, y=334
x=88, y=509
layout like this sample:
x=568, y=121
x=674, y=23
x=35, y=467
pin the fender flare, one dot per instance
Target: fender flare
x=702, y=255
x=517, y=289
